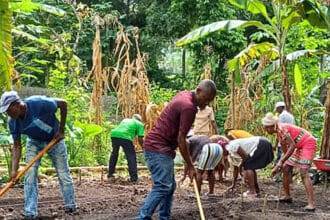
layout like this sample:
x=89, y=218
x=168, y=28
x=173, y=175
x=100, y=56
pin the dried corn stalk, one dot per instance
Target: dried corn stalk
x=207, y=74
x=152, y=113
x=98, y=75
x=244, y=110
x=129, y=77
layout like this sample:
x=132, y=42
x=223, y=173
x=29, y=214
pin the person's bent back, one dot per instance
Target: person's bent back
x=35, y=117
x=123, y=135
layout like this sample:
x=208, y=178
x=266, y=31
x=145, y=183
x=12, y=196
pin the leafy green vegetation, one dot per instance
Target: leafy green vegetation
x=273, y=50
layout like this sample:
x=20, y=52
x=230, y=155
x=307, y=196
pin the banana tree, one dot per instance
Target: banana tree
x=304, y=95
x=6, y=61
x=325, y=146
x=7, y=7
x=286, y=14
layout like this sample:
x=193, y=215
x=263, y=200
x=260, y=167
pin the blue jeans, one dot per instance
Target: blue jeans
x=58, y=155
x=162, y=174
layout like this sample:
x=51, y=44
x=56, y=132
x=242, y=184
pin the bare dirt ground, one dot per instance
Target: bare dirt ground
x=121, y=200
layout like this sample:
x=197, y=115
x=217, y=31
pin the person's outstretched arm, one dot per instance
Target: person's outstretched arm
x=185, y=154
x=289, y=152
x=62, y=105
x=16, y=156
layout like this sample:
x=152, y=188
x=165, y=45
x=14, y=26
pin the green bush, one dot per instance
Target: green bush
x=159, y=95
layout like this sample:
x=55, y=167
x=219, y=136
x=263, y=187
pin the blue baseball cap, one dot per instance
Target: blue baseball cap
x=7, y=99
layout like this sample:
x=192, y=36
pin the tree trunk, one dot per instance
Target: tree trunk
x=325, y=146
x=128, y=10
x=184, y=63
x=233, y=100
x=285, y=85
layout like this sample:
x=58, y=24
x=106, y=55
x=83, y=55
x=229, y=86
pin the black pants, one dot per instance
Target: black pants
x=130, y=154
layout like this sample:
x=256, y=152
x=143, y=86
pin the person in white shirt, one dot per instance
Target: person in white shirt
x=283, y=117
x=252, y=153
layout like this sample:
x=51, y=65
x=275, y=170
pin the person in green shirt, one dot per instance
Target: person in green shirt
x=123, y=135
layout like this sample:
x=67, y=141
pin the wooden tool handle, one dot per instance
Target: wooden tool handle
x=27, y=167
x=199, y=203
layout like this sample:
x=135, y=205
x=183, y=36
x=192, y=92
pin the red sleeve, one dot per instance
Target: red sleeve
x=187, y=118
x=282, y=134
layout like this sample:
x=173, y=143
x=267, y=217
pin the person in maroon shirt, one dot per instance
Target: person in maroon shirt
x=169, y=132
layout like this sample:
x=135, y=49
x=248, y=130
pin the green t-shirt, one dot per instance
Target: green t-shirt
x=128, y=129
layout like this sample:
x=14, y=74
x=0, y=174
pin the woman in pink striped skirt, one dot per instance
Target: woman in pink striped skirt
x=299, y=147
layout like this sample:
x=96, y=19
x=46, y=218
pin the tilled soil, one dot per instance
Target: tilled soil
x=119, y=199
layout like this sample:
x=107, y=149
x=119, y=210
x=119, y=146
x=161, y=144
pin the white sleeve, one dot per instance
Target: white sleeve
x=232, y=147
x=212, y=115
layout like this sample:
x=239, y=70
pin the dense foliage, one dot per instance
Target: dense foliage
x=52, y=49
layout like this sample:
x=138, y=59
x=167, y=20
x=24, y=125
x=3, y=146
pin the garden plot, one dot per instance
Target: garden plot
x=121, y=200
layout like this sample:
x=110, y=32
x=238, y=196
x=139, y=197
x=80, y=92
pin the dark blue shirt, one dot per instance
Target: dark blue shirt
x=39, y=123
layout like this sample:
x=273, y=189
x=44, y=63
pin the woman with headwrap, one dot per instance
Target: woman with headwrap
x=299, y=147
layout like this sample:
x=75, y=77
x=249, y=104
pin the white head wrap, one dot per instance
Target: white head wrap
x=279, y=104
x=269, y=119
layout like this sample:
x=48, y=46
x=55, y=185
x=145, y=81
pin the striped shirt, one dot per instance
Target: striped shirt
x=209, y=157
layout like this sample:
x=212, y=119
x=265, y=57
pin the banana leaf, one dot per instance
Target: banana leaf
x=6, y=60
x=216, y=26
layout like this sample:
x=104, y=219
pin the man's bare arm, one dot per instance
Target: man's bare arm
x=16, y=156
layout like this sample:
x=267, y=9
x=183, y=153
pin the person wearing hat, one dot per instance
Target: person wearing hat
x=301, y=147
x=251, y=153
x=35, y=117
x=123, y=135
x=283, y=117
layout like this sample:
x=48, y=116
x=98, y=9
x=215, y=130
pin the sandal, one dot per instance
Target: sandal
x=309, y=209
x=248, y=195
x=285, y=200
